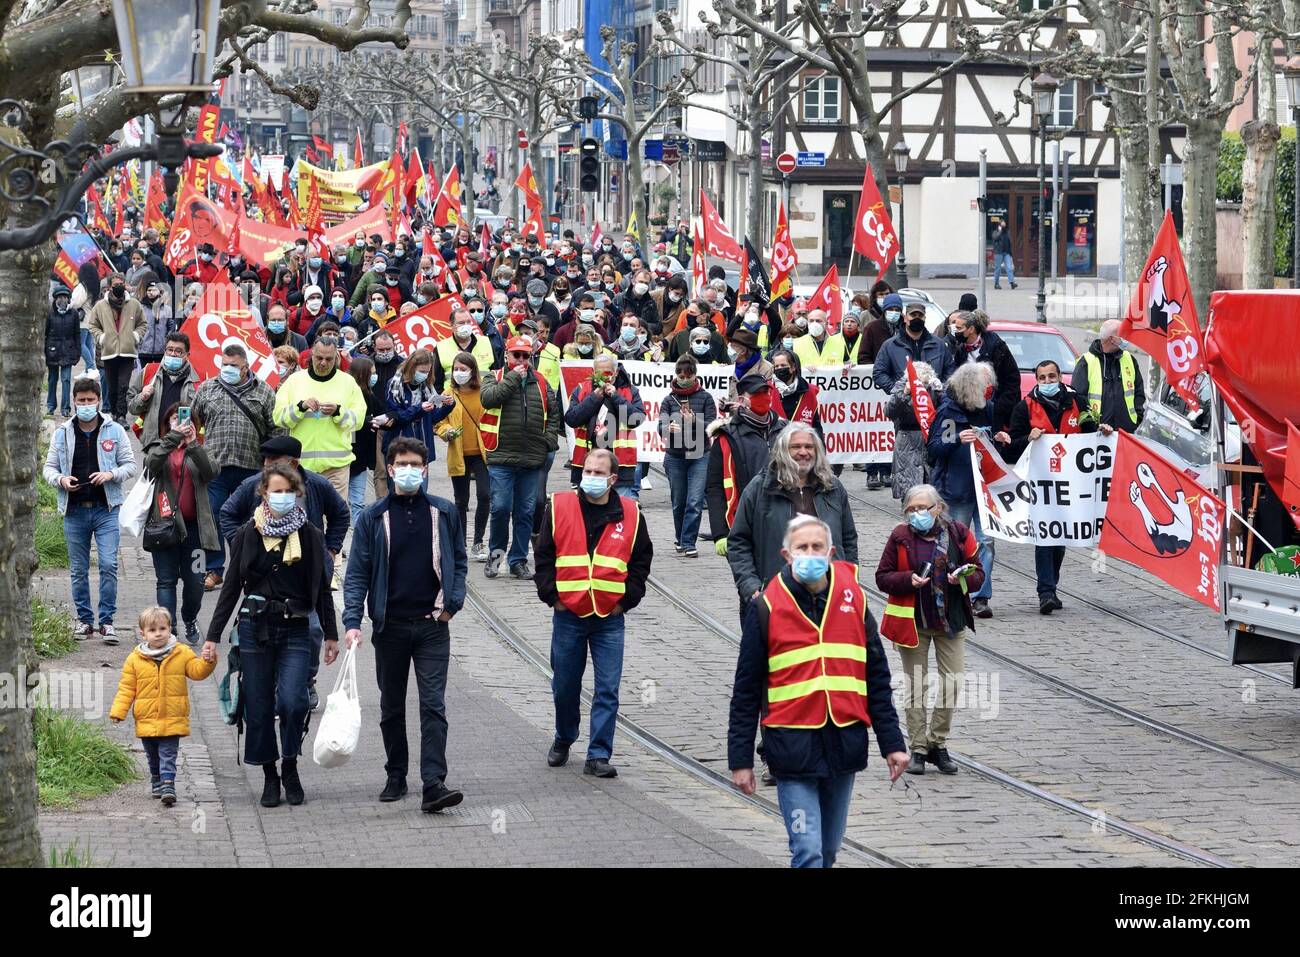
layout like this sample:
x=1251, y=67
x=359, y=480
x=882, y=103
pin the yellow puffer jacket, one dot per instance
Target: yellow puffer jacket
x=159, y=691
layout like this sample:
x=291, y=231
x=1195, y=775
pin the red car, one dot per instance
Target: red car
x=1032, y=342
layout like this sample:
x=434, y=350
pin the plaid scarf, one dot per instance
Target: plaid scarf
x=277, y=528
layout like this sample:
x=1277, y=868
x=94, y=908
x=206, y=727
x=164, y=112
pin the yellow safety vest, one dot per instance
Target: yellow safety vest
x=831, y=354
x=1127, y=375
x=548, y=364
x=448, y=349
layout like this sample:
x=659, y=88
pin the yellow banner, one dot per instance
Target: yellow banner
x=339, y=190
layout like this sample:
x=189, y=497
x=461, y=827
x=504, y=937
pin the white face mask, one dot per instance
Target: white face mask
x=460, y=376
x=464, y=331
x=815, y=329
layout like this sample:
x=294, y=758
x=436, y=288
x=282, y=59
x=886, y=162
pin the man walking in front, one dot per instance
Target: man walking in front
x=593, y=559
x=407, y=568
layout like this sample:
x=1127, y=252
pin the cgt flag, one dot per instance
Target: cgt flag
x=1161, y=318
x=1161, y=520
x=222, y=318
x=784, y=259
x=718, y=241
x=873, y=234
x=921, y=401
x=425, y=327
x=828, y=299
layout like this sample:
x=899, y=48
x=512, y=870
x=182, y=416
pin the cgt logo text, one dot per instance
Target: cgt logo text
x=75, y=911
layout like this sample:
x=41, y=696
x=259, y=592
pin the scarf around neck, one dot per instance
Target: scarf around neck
x=157, y=654
x=277, y=528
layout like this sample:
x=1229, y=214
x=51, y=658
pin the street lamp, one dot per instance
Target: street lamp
x=1291, y=69
x=1044, y=88
x=89, y=81
x=167, y=50
x=901, y=152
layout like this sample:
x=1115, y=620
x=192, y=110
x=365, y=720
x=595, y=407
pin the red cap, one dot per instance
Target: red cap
x=520, y=344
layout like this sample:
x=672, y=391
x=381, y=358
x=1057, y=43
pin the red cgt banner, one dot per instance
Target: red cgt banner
x=222, y=318
x=1161, y=520
x=921, y=402
x=425, y=327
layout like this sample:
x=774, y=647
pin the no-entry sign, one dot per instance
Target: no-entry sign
x=785, y=163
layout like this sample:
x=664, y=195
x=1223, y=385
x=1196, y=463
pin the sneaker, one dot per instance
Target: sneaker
x=600, y=768
x=493, y=567
x=691, y=552
x=1013, y=285
x=479, y=552
x=438, y=797
x=981, y=608
x=192, y=633
x=155, y=787
x=521, y=570
x=83, y=630
x=679, y=549
x=108, y=633
x=211, y=581
x=645, y=482
x=873, y=483
x=997, y=287
x=313, y=699
x=167, y=793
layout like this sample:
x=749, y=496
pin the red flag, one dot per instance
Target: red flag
x=1291, y=478
x=430, y=249
x=322, y=147
x=784, y=258
x=527, y=182
x=596, y=236
x=295, y=215
x=742, y=281
x=1161, y=520
x=425, y=327
x=699, y=275
x=484, y=244
x=315, y=227
x=98, y=221
x=221, y=318
x=402, y=137
x=922, y=404
x=447, y=208
x=873, y=233
x=232, y=241
x=431, y=185
x=153, y=203
x=414, y=174
x=718, y=240
x=1161, y=318
x=532, y=224
x=358, y=157
x=828, y=298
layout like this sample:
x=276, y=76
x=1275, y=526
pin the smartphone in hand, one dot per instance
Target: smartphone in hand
x=183, y=416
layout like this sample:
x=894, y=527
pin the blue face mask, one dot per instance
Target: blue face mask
x=87, y=412
x=534, y=301
x=173, y=363
x=408, y=477
x=315, y=262
x=629, y=334
x=1049, y=388
x=419, y=376
x=374, y=379
x=810, y=568
x=921, y=521
x=338, y=302
x=499, y=310
x=231, y=375
x=282, y=503
x=594, y=486
x=788, y=343
x=275, y=326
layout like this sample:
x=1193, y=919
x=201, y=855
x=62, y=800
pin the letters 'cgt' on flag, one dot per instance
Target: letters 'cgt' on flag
x=1161, y=520
x=873, y=233
x=718, y=240
x=784, y=259
x=425, y=327
x=1161, y=318
x=922, y=404
x=222, y=318
x=829, y=299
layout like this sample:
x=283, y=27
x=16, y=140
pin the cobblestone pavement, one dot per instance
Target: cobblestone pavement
x=676, y=684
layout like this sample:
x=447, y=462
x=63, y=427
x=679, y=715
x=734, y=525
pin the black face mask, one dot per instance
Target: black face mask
x=916, y=325
x=118, y=293
x=785, y=375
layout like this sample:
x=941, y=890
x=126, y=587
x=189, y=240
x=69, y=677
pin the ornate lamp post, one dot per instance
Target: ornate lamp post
x=1044, y=88
x=901, y=152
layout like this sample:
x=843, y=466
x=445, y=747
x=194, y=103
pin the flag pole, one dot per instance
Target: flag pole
x=852, y=255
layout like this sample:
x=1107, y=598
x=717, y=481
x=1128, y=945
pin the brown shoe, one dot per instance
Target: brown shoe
x=212, y=581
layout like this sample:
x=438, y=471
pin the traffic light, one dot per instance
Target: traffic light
x=589, y=165
x=587, y=107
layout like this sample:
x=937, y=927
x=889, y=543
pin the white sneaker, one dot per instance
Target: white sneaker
x=336, y=584
x=645, y=482
x=108, y=633
x=479, y=552
x=82, y=631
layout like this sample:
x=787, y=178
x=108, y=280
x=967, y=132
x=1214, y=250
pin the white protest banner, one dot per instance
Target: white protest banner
x=853, y=417
x=653, y=380
x=1056, y=495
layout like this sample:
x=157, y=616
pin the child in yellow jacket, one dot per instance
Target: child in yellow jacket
x=155, y=678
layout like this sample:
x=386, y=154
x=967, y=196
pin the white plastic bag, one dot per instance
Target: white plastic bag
x=340, y=726
x=135, y=510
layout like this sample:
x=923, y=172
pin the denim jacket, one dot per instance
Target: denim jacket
x=115, y=455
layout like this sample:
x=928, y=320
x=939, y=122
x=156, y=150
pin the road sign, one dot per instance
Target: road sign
x=785, y=163
x=811, y=159
x=670, y=155
x=523, y=140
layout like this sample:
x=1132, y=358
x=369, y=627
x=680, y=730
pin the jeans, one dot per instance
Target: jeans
x=79, y=526
x=816, y=813
x=117, y=378
x=513, y=491
x=275, y=683
x=1001, y=260
x=182, y=562
x=1047, y=563
x=221, y=487
x=539, y=499
x=476, y=471
x=570, y=636
x=686, y=489
x=969, y=516
x=161, y=753
x=59, y=374
x=87, y=350
x=630, y=489
x=357, y=494
x=426, y=642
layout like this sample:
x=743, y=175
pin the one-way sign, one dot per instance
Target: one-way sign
x=811, y=159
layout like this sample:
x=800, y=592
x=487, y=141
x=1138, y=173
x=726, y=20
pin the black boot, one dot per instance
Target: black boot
x=292, y=786
x=271, y=789
x=394, y=789
x=941, y=759
x=917, y=764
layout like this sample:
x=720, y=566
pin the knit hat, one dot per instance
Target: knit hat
x=967, y=302
x=893, y=301
x=310, y=291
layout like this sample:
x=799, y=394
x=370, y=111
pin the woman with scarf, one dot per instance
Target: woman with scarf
x=414, y=406
x=910, y=466
x=277, y=563
x=928, y=569
x=685, y=415
x=797, y=395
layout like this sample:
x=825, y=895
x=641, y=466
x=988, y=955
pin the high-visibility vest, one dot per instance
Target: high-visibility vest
x=806, y=410
x=548, y=364
x=1039, y=419
x=591, y=584
x=899, y=621
x=831, y=353
x=490, y=424
x=729, y=491
x=1127, y=376
x=817, y=671
x=842, y=349
x=625, y=441
x=448, y=349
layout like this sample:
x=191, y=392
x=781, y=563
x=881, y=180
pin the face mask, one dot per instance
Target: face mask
x=284, y=370
x=118, y=293
x=379, y=267
x=788, y=343
x=784, y=374
x=231, y=375
x=674, y=297
x=460, y=376
x=916, y=325
x=893, y=315
x=419, y=376
x=87, y=412
x=801, y=322
x=374, y=379
x=464, y=331
x=593, y=486
x=281, y=503
x=60, y=307
x=1049, y=388
x=880, y=302
x=338, y=302
x=574, y=275
x=391, y=281
x=921, y=521
x=314, y=304
x=584, y=348
x=173, y=363
x=683, y=383
x=550, y=260
x=816, y=329
x=641, y=288
x=206, y=257
x=421, y=299
x=315, y=262
x=587, y=315
x=399, y=252
x=760, y=404
x=810, y=568
x=731, y=353
x=341, y=259
x=471, y=292
x=629, y=334
x=535, y=301
x=385, y=357
x=379, y=305
x=499, y=310
x=700, y=348
x=408, y=477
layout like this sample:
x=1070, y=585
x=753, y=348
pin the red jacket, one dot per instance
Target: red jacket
x=300, y=319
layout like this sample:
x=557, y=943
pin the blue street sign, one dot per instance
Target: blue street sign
x=810, y=159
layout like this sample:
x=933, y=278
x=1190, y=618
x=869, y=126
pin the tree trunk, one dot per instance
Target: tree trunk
x=754, y=211
x=1200, y=165
x=636, y=191
x=1258, y=202
x=467, y=201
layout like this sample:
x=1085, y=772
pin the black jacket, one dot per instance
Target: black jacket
x=997, y=354
x=622, y=413
x=643, y=307
x=596, y=517
x=63, y=338
x=751, y=446
x=1054, y=407
x=693, y=440
x=1114, y=411
x=828, y=751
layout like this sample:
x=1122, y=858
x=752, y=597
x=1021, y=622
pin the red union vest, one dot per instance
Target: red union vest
x=806, y=410
x=817, y=670
x=490, y=424
x=729, y=491
x=591, y=584
x=899, y=621
x=624, y=446
x=1038, y=418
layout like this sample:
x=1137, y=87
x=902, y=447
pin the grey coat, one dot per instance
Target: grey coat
x=910, y=467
